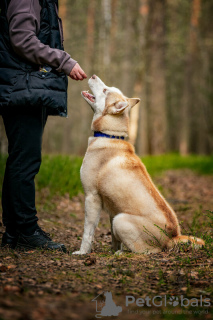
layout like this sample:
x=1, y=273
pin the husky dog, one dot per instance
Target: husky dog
x=115, y=179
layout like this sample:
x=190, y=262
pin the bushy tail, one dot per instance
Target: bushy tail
x=185, y=239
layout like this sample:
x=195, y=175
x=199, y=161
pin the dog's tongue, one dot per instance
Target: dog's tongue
x=88, y=96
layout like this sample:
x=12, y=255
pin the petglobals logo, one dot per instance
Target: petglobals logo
x=105, y=306
x=159, y=301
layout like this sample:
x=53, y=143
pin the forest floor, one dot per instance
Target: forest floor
x=40, y=285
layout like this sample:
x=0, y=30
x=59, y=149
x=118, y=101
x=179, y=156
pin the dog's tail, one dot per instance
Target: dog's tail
x=197, y=242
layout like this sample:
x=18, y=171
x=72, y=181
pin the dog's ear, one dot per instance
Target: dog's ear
x=117, y=107
x=120, y=106
x=133, y=101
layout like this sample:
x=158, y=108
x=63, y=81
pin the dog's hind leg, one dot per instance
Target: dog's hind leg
x=138, y=233
x=93, y=206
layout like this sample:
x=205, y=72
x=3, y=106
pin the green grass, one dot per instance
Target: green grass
x=197, y=163
x=208, y=236
x=61, y=174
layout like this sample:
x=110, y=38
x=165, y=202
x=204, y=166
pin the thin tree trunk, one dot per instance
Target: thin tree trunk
x=90, y=33
x=113, y=29
x=188, y=108
x=140, y=114
x=157, y=120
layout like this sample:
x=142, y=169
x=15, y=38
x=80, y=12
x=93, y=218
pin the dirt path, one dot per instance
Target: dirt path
x=44, y=285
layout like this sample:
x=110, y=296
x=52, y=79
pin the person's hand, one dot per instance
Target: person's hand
x=77, y=73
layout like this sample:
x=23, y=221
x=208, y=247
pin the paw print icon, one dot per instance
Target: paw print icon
x=173, y=301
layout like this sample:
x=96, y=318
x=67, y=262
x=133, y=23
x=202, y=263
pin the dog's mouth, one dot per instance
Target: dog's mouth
x=88, y=95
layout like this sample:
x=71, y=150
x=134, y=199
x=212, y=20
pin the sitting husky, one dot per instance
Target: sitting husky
x=115, y=179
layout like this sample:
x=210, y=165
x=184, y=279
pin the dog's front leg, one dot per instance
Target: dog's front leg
x=116, y=245
x=93, y=207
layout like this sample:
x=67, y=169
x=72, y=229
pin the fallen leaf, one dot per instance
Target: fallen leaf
x=9, y=288
x=12, y=266
x=3, y=268
x=89, y=261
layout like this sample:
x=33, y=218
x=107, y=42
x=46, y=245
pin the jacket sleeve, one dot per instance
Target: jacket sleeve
x=24, y=24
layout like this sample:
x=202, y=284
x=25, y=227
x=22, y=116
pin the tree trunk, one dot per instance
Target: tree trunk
x=157, y=120
x=140, y=114
x=190, y=107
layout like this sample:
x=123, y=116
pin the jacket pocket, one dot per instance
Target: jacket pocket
x=47, y=81
x=35, y=88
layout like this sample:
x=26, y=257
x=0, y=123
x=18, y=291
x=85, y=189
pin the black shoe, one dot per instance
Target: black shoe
x=39, y=240
x=9, y=241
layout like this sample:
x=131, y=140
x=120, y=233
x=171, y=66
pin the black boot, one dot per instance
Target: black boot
x=9, y=241
x=39, y=240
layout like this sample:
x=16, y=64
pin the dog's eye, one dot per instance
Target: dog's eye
x=104, y=90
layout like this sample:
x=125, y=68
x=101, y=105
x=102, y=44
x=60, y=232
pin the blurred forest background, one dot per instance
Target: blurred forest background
x=158, y=50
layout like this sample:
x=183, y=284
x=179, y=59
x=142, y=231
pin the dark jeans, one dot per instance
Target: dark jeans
x=24, y=129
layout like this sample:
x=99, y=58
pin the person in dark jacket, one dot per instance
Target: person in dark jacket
x=33, y=84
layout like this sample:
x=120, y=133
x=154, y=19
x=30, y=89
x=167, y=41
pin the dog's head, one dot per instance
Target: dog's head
x=109, y=105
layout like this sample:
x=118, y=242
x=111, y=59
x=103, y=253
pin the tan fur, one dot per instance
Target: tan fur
x=102, y=124
x=185, y=239
x=115, y=179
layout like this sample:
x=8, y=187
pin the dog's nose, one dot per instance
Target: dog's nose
x=94, y=76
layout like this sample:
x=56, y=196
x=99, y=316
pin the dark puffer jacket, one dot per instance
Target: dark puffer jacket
x=21, y=82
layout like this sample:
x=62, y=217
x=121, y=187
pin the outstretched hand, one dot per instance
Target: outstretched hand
x=77, y=73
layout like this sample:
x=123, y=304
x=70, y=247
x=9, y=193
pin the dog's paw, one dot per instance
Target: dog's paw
x=118, y=252
x=77, y=252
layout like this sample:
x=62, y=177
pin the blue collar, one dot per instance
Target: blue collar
x=100, y=134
